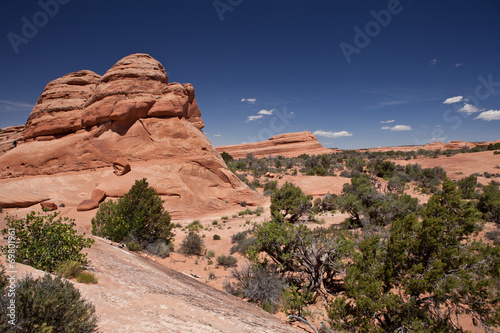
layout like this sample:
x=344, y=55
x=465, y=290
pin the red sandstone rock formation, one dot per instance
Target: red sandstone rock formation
x=84, y=122
x=288, y=145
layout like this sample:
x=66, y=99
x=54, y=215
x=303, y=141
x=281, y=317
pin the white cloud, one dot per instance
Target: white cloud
x=217, y=135
x=329, y=134
x=398, y=128
x=433, y=62
x=266, y=112
x=455, y=99
x=386, y=121
x=249, y=100
x=252, y=118
x=489, y=115
x=458, y=65
x=469, y=108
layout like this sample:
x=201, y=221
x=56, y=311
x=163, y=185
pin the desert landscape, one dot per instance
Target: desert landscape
x=91, y=139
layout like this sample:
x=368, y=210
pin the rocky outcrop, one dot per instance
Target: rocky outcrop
x=135, y=87
x=131, y=119
x=287, y=145
x=10, y=137
x=60, y=107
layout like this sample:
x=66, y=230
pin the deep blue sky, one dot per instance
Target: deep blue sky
x=284, y=56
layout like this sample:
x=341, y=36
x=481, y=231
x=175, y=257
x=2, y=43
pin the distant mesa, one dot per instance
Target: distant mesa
x=132, y=116
x=287, y=145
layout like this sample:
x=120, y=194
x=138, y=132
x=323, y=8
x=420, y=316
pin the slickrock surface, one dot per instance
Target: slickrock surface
x=287, y=145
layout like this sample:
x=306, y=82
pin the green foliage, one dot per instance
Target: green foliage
x=3, y=277
x=86, y=277
x=381, y=168
x=467, y=187
x=69, y=269
x=362, y=201
x=289, y=203
x=139, y=216
x=424, y=276
x=133, y=246
x=192, y=244
x=226, y=157
x=489, y=202
x=295, y=300
x=216, y=237
x=44, y=241
x=227, y=261
x=48, y=304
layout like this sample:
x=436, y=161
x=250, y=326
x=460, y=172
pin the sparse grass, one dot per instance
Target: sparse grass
x=86, y=277
x=210, y=253
x=212, y=276
x=134, y=246
x=160, y=249
x=227, y=261
x=224, y=218
x=69, y=269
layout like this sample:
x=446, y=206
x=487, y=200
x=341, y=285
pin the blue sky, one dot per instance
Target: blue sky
x=356, y=73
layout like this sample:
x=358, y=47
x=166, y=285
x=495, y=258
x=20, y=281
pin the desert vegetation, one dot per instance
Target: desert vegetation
x=46, y=304
x=394, y=265
x=138, y=219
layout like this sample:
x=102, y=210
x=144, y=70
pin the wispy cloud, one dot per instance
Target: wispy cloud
x=6, y=105
x=387, y=121
x=397, y=96
x=433, y=62
x=455, y=99
x=329, y=134
x=252, y=118
x=217, y=135
x=249, y=100
x=469, y=108
x=266, y=112
x=458, y=65
x=489, y=115
x=398, y=128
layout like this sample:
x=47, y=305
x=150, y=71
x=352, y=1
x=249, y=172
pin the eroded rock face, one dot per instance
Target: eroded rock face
x=60, y=107
x=135, y=87
x=288, y=145
x=132, y=116
x=11, y=137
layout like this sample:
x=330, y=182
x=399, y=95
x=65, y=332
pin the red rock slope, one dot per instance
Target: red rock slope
x=288, y=145
x=83, y=123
